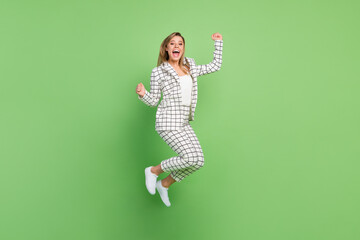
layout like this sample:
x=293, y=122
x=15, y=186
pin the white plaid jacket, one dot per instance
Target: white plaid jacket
x=165, y=79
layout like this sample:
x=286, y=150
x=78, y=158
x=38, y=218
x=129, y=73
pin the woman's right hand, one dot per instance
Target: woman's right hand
x=140, y=90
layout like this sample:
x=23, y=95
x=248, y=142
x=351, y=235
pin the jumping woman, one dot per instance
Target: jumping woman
x=176, y=78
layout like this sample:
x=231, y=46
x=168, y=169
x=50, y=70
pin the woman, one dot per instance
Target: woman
x=176, y=78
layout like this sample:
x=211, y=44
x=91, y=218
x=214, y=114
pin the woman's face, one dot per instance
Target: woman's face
x=175, y=48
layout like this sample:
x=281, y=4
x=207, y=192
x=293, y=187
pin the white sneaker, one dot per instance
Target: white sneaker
x=163, y=191
x=150, y=180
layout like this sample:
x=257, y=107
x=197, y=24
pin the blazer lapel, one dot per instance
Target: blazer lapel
x=171, y=70
x=167, y=67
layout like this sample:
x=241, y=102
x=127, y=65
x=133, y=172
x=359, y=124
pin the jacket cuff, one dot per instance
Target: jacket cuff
x=145, y=98
x=218, y=44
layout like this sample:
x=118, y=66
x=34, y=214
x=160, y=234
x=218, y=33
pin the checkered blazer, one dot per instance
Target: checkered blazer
x=165, y=79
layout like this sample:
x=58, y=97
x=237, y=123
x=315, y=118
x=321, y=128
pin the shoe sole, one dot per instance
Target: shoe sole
x=147, y=186
x=161, y=197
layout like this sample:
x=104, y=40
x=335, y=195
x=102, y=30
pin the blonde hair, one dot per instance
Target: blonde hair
x=164, y=56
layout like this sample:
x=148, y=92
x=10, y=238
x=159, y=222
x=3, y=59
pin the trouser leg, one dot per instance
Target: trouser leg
x=190, y=156
x=182, y=173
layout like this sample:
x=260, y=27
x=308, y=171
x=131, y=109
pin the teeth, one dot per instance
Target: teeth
x=176, y=51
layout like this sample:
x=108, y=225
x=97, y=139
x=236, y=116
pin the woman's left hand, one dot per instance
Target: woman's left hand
x=216, y=36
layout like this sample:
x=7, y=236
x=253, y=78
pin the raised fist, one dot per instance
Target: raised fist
x=140, y=89
x=216, y=36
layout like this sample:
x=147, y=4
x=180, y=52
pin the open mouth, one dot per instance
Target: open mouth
x=176, y=53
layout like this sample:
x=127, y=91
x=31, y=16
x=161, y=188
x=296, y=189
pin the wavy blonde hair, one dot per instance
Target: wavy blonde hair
x=164, y=56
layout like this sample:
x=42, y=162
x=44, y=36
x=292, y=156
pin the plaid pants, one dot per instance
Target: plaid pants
x=185, y=143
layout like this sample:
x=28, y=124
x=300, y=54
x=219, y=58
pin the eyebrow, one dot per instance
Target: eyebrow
x=174, y=41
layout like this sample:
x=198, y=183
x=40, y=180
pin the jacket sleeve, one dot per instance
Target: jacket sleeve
x=152, y=98
x=215, y=65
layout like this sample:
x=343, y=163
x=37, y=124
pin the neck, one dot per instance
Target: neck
x=173, y=63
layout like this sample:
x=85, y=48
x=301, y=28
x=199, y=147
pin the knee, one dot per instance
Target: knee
x=196, y=160
x=200, y=161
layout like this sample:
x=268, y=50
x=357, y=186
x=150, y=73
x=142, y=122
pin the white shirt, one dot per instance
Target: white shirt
x=186, y=88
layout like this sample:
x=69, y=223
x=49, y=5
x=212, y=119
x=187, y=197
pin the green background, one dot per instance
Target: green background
x=279, y=123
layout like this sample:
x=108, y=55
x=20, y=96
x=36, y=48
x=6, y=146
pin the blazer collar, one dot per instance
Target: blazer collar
x=167, y=67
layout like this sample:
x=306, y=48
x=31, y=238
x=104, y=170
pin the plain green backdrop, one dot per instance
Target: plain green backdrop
x=279, y=123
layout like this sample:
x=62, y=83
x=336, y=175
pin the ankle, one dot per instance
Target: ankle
x=165, y=184
x=154, y=171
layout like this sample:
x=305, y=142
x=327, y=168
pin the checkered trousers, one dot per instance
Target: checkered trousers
x=186, y=144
